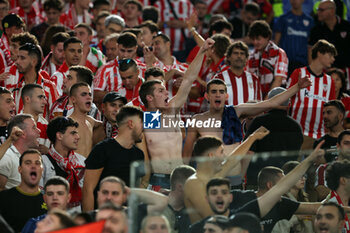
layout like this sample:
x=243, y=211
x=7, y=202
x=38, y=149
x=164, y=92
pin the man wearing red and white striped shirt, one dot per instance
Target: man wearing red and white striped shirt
x=307, y=104
x=73, y=52
x=242, y=86
x=268, y=61
x=28, y=64
x=173, y=26
x=108, y=77
x=167, y=62
x=34, y=103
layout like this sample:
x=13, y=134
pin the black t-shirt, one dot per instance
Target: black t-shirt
x=3, y=134
x=339, y=37
x=113, y=158
x=240, y=28
x=17, y=207
x=284, y=209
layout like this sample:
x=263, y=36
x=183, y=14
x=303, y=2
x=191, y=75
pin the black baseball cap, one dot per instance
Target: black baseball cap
x=246, y=221
x=11, y=20
x=113, y=96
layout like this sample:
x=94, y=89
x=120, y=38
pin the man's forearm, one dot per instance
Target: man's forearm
x=88, y=200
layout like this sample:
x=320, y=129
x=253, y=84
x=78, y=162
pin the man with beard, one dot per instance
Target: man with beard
x=329, y=218
x=219, y=199
x=81, y=97
x=7, y=111
x=113, y=156
x=24, y=201
x=343, y=145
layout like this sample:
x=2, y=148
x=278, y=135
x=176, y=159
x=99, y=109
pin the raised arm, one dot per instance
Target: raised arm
x=249, y=109
x=269, y=199
x=15, y=134
x=156, y=202
x=190, y=76
x=242, y=149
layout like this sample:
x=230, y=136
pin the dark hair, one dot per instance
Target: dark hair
x=154, y=71
x=33, y=51
x=47, y=38
x=253, y=8
x=164, y=37
x=237, y=45
x=59, y=37
x=98, y=3
x=134, y=2
x=341, y=75
x=259, y=28
x=215, y=81
x=12, y=20
x=4, y=90
x=218, y=182
x=218, y=220
x=128, y=111
x=147, y=88
x=85, y=216
x=127, y=39
x=323, y=47
x=335, y=171
x=126, y=64
x=59, y=124
x=204, y=144
x=340, y=136
x=75, y=86
x=341, y=211
x=53, y=4
x=18, y=121
x=86, y=26
x=102, y=14
x=221, y=44
x=65, y=219
x=153, y=27
x=268, y=174
x=23, y=38
x=219, y=25
x=150, y=13
x=29, y=151
x=57, y=180
x=337, y=104
x=288, y=167
x=135, y=31
x=84, y=74
x=113, y=179
x=180, y=174
x=5, y=2
x=28, y=89
x=111, y=206
x=72, y=40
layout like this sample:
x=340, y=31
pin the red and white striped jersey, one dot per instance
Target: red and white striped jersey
x=137, y=102
x=42, y=125
x=94, y=60
x=5, y=51
x=307, y=104
x=207, y=72
x=176, y=65
x=49, y=89
x=58, y=77
x=49, y=66
x=31, y=19
x=213, y=5
x=241, y=89
x=346, y=102
x=108, y=78
x=70, y=18
x=183, y=9
x=273, y=61
x=131, y=94
x=321, y=175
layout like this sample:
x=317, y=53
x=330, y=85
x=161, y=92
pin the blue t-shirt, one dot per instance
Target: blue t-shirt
x=295, y=32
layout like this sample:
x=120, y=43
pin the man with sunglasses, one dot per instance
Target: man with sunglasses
x=108, y=78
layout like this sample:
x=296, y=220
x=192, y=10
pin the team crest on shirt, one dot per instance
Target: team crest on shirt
x=306, y=22
x=343, y=34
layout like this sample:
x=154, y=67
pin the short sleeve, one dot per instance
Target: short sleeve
x=250, y=207
x=287, y=208
x=6, y=165
x=281, y=68
x=96, y=158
